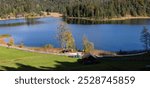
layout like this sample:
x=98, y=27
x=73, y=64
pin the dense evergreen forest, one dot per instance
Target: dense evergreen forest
x=77, y=8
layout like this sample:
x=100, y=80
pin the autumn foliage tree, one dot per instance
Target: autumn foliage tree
x=3, y=37
x=87, y=45
x=65, y=37
x=11, y=42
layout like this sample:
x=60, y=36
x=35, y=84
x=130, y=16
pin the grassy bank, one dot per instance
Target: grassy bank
x=12, y=59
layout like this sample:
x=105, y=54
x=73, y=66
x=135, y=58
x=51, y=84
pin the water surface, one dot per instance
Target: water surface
x=112, y=36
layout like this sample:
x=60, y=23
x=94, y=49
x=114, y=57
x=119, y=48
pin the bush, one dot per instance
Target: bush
x=11, y=42
x=21, y=45
x=48, y=46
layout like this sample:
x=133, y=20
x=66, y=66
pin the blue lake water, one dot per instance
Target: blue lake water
x=42, y=31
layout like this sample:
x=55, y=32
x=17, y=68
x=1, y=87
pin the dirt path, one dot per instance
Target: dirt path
x=128, y=55
x=30, y=50
x=42, y=52
x=64, y=54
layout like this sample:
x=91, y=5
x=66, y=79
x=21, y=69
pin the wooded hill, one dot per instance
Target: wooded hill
x=77, y=8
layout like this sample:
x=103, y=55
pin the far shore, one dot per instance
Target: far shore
x=112, y=19
x=52, y=14
x=58, y=15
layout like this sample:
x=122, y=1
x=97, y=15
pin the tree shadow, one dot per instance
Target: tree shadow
x=21, y=67
x=75, y=66
x=61, y=66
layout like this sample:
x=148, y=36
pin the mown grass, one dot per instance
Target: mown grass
x=16, y=60
x=12, y=57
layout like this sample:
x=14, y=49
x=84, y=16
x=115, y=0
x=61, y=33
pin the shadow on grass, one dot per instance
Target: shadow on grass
x=131, y=63
x=63, y=66
x=22, y=67
x=69, y=66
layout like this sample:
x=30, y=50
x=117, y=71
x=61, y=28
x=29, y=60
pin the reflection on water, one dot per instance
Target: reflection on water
x=130, y=21
x=19, y=22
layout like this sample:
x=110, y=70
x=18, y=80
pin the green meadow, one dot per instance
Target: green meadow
x=14, y=59
x=17, y=60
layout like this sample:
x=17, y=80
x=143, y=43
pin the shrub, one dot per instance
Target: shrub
x=48, y=46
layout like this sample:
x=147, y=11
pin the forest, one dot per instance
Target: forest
x=98, y=9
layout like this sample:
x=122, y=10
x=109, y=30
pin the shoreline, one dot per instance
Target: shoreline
x=58, y=15
x=55, y=15
x=112, y=19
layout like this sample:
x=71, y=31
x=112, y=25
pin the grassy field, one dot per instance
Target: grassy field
x=16, y=60
x=12, y=59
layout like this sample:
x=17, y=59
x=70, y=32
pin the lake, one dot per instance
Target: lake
x=111, y=36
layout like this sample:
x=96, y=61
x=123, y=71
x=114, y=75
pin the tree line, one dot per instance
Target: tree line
x=15, y=7
x=77, y=8
x=108, y=8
